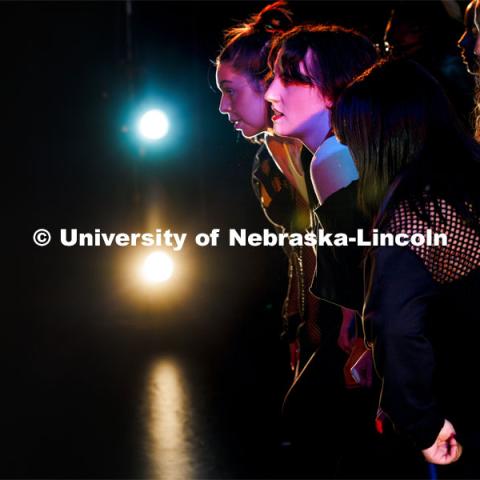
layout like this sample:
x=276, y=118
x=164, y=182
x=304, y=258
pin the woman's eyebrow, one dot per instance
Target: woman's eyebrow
x=223, y=82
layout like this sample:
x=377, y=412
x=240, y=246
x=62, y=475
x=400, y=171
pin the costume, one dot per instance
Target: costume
x=421, y=318
x=288, y=211
x=338, y=278
x=318, y=400
x=314, y=401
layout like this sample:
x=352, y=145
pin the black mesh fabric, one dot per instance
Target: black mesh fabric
x=445, y=263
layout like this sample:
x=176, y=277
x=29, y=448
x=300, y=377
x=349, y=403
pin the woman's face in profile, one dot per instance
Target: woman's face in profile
x=300, y=109
x=242, y=100
x=467, y=42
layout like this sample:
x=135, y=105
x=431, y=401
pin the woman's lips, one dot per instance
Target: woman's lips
x=276, y=115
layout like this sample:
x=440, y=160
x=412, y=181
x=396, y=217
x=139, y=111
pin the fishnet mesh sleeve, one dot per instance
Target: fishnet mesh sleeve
x=445, y=263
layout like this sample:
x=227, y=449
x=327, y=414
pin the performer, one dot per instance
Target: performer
x=284, y=194
x=469, y=44
x=427, y=33
x=311, y=65
x=468, y=41
x=420, y=170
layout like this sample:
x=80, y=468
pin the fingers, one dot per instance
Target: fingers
x=446, y=449
x=452, y=454
x=444, y=453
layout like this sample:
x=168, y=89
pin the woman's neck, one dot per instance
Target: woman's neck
x=317, y=131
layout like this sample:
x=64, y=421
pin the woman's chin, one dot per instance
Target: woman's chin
x=250, y=133
x=281, y=132
x=471, y=63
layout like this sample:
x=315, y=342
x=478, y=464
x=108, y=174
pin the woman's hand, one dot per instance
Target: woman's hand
x=446, y=449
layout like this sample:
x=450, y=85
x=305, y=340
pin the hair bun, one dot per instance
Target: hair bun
x=273, y=18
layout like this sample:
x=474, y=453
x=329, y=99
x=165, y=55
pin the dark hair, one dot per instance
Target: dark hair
x=399, y=125
x=247, y=45
x=338, y=55
x=431, y=23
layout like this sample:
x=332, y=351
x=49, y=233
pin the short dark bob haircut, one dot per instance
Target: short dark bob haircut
x=338, y=56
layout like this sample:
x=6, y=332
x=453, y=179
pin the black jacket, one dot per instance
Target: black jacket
x=422, y=319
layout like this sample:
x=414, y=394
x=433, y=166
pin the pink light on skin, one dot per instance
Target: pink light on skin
x=301, y=110
x=242, y=101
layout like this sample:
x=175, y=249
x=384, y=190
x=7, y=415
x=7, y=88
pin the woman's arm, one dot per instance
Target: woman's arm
x=395, y=315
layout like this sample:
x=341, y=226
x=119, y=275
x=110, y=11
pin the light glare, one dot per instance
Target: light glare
x=153, y=125
x=157, y=267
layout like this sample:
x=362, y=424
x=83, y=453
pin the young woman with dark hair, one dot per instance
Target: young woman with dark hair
x=241, y=69
x=242, y=66
x=311, y=64
x=281, y=182
x=420, y=170
x=426, y=33
x=278, y=178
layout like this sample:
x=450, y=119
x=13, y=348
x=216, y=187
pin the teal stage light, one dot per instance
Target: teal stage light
x=153, y=125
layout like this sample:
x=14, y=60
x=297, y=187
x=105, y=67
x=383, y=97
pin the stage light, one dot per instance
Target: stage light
x=153, y=125
x=157, y=268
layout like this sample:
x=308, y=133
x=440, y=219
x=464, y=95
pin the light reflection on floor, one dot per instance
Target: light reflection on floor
x=169, y=423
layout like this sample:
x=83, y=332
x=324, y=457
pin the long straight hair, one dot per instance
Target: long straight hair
x=399, y=124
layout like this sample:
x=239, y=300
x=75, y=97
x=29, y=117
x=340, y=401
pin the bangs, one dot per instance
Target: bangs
x=286, y=56
x=288, y=67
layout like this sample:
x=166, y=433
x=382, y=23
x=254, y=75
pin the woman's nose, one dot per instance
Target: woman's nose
x=225, y=106
x=271, y=94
